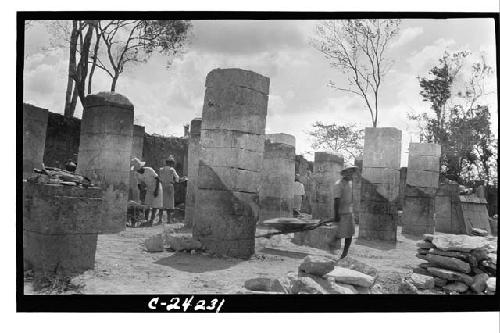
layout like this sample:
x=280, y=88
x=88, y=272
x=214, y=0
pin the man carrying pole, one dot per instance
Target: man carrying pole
x=343, y=200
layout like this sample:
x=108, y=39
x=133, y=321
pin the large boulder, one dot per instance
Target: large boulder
x=422, y=281
x=259, y=284
x=449, y=263
x=349, y=276
x=357, y=265
x=450, y=275
x=317, y=265
x=406, y=287
x=491, y=285
x=154, y=243
x=424, y=244
x=306, y=285
x=340, y=288
x=462, y=243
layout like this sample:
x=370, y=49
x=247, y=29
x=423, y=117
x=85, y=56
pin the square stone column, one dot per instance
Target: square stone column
x=380, y=183
x=104, y=155
x=326, y=171
x=422, y=183
x=278, y=177
x=192, y=170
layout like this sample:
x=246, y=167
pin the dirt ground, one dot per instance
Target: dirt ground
x=124, y=267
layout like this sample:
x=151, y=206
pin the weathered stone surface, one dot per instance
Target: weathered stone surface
x=306, y=285
x=349, y=276
x=317, y=265
x=455, y=254
x=182, y=242
x=227, y=179
x=418, y=215
x=382, y=147
x=106, y=138
x=424, y=244
x=450, y=275
x=277, y=177
x=357, y=265
x=194, y=150
x=458, y=287
x=479, y=284
x=259, y=284
x=407, y=288
x=422, y=271
x=283, y=284
x=462, y=243
x=422, y=251
x=449, y=262
x=34, y=132
x=422, y=281
x=154, y=243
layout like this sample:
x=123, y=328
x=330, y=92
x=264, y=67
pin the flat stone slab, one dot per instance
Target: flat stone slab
x=458, y=287
x=448, y=262
x=450, y=275
x=259, y=284
x=349, y=276
x=182, y=242
x=462, y=243
x=357, y=265
x=424, y=244
x=317, y=265
x=340, y=288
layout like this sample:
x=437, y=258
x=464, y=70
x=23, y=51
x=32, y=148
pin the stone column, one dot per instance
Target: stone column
x=422, y=183
x=34, y=132
x=232, y=145
x=326, y=172
x=104, y=154
x=278, y=177
x=192, y=170
x=356, y=188
x=137, y=145
x=380, y=183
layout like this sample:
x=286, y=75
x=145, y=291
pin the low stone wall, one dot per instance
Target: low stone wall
x=60, y=227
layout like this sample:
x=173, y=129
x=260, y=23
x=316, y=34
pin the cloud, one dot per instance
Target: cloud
x=407, y=35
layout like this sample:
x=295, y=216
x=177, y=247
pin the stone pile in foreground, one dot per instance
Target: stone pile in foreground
x=321, y=275
x=455, y=264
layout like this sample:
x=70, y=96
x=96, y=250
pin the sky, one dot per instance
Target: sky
x=167, y=98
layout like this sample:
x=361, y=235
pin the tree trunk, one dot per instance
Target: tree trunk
x=68, y=111
x=74, y=100
x=113, y=84
x=94, y=61
x=83, y=64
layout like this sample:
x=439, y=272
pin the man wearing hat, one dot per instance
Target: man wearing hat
x=343, y=199
x=154, y=191
x=168, y=176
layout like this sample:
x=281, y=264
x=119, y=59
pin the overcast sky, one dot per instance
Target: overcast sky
x=166, y=99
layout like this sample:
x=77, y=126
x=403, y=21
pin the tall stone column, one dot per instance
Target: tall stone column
x=422, y=183
x=34, y=132
x=192, y=170
x=104, y=155
x=232, y=145
x=326, y=172
x=356, y=188
x=137, y=145
x=278, y=177
x=380, y=183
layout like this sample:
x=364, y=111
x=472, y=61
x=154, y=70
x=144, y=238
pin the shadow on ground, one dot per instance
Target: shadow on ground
x=289, y=254
x=377, y=244
x=196, y=263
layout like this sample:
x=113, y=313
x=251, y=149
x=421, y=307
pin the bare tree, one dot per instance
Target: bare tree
x=134, y=41
x=357, y=48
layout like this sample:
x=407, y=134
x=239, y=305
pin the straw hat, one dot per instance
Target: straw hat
x=348, y=168
x=136, y=163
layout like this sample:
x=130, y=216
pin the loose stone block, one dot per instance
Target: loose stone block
x=326, y=171
x=277, y=177
x=108, y=120
x=34, y=132
x=194, y=149
x=60, y=226
x=232, y=131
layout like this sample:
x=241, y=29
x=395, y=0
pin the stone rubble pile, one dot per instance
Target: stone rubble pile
x=321, y=275
x=455, y=264
x=176, y=242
